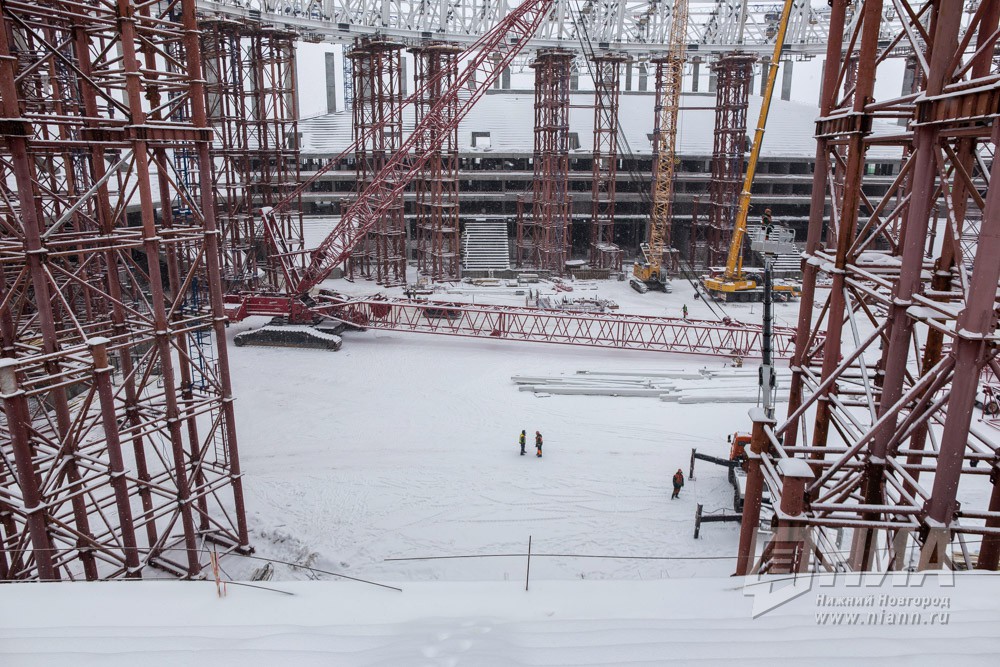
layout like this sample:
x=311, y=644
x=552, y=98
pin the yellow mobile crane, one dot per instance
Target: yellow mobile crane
x=734, y=284
x=649, y=271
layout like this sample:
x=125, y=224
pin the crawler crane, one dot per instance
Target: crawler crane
x=649, y=272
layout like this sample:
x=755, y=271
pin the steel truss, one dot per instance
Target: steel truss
x=544, y=239
x=638, y=27
x=118, y=446
x=666, y=110
x=604, y=253
x=378, y=133
x=890, y=399
x=252, y=106
x=624, y=332
x=733, y=75
x=436, y=187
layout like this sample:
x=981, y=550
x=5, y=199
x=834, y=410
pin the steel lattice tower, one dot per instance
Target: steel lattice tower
x=436, y=189
x=733, y=73
x=375, y=64
x=889, y=398
x=118, y=443
x=543, y=240
x=604, y=253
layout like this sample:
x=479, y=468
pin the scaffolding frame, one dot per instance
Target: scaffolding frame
x=118, y=446
x=544, y=238
x=734, y=74
x=604, y=252
x=436, y=188
x=252, y=106
x=378, y=130
x=891, y=406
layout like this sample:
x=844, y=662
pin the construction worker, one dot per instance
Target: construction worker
x=538, y=444
x=685, y=311
x=678, y=483
x=522, y=440
x=765, y=221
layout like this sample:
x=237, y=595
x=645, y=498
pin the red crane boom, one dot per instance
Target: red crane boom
x=491, y=54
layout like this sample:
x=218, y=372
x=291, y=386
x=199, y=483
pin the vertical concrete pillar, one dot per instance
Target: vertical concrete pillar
x=331, y=83
x=786, y=80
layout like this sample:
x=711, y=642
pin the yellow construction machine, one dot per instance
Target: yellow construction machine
x=648, y=273
x=734, y=284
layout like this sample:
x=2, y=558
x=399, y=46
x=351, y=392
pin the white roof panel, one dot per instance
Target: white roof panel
x=509, y=118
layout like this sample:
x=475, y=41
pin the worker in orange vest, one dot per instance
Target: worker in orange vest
x=678, y=483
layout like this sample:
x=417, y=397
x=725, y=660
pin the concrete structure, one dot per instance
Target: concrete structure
x=495, y=145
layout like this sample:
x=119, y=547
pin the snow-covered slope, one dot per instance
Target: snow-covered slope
x=692, y=621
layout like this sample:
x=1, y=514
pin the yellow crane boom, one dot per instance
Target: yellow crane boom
x=733, y=279
x=663, y=182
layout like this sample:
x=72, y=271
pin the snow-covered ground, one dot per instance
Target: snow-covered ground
x=405, y=445
x=692, y=621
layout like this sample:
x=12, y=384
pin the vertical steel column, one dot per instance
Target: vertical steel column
x=732, y=94
x=545, y=239
x=107, y=325
x=753, y=496
x=604, y=253
x=378, y=129
x=15, y=406
x=436, y=188
x=848, y=205
x=790, y=552
x=228, y=469
x=817, y=220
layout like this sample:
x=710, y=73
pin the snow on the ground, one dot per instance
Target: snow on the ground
x=704, y=621
x=404, y=445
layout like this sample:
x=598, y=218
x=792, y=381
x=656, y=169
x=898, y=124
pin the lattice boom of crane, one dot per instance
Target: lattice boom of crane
x=625, y=332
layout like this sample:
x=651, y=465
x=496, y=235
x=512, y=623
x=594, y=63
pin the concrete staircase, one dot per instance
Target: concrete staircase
x=484, y=246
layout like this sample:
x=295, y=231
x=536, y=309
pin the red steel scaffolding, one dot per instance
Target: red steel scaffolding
x=378, y=129
x=880, y=414
x=436, y=187
x=273, y=144
x=604, y=253
x=543, y=238
x=251, y=102
x=733, y=75
x=118, y=445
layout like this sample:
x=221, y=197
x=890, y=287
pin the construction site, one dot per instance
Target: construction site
x=380, y=333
